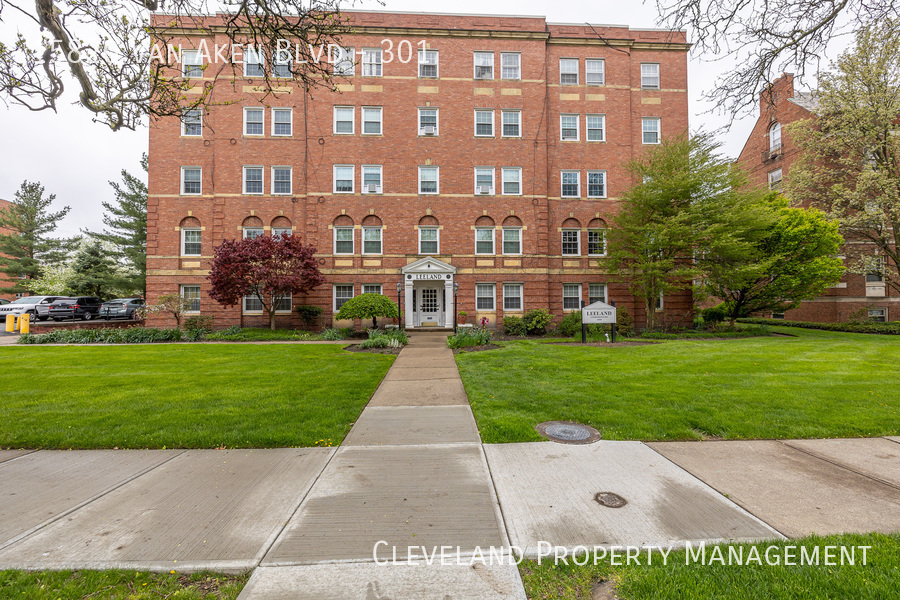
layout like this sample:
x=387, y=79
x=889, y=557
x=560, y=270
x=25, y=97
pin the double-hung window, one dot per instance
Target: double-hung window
x=650, y=76
x=191, y=293
x=371, y=62
x=253, y=180
x=343, y=179
x=253, y=63
x=371, y=117
x=428, y=121
x=568, y=127
x=484, y=296
x=571, y=296
x=596, y=292
x=282, y=63
x=571, y=184
x=484, y=180
x=428, y=64
x=650, y=127
x=192, y=122
x=484, y=240
x=596, y=128
x=429, y=240
x=344, y=61
x=279, y=231
x=484, y=123
x=371, y=288
x=596, y=242
x=510, y=65
x=428, y=180
x=371, y=179
x=283, y=303
x=484, y=65
x=512, y=181
x=512, y=297
x=281, y=181
x=596, y=184
x=512, y=240
x=775, y=137
x=775, y=178
x=191, y=181
x=595, y=71
x=253, y=232
x=282, y=122
x=371, y=240
x=342, y=293
x=511, y=121
x=568, y=71
x=571, y=242
x=190, y=242
x=252, y=304
x=253, y=121
x=191, y=64
x=343, y=120
x=343, y=240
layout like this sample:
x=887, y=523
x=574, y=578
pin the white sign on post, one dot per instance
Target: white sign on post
x=598, y=313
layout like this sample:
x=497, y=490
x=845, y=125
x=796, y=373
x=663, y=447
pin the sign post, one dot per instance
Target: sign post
x=583, y=325
x=598, y=313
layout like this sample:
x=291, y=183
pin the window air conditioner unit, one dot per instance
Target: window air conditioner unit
x=373, y=189
x=485, y=190
x=428, y=130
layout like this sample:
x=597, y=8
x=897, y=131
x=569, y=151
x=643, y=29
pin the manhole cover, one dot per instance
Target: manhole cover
x=610, y=500
x=568, y=433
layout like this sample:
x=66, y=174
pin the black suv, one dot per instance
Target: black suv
x=80, y=307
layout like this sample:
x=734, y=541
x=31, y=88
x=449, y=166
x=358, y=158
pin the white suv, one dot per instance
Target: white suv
x=29, y=305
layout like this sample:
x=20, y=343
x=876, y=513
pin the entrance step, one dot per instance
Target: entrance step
x=427, y=330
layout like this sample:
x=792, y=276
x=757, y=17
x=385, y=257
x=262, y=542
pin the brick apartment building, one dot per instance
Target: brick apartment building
x=5, y=282
x=491, y=160
x=768, y=156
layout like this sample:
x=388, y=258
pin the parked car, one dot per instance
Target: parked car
x=120, y=308
x=3, y=301
x=42, y=308
x=76, y=307
x=27, y=304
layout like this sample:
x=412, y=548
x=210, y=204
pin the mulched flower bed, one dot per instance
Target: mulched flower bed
x=356, y=348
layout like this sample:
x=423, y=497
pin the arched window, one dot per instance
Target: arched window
x=596, y=237
x=484, y=235
x=512, y=235
x=372, y=241
x=429, y=235
x=343, y=235
x=190, y=236
x=571, y=237
x=281, y=225
x=253, y=227
x=775, y=137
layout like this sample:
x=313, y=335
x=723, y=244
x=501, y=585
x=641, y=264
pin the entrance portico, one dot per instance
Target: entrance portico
x=428, y=301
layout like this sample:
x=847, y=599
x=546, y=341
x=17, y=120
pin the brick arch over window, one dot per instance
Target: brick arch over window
x=281, y=222
x=371, y=221
x=512, y=221
x=597, y=224
x=342, y=221
x=571, y=224
x=252, y=222
x=190, y=222
x=428, y=221
x=484, y=221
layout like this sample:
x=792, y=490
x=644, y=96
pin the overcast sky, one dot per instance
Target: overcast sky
x=75, y=158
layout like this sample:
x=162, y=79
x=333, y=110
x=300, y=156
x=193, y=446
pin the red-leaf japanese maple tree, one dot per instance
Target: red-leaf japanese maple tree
x=266, y=267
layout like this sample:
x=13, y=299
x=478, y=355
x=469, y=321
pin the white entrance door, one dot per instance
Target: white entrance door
x=430, y=307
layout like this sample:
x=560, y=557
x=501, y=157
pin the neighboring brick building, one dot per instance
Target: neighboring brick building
x=767, y=157
x=5, y=282
x=491, y=160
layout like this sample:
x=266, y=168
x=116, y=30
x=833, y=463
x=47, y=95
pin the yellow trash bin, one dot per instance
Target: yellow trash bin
x=25, y=323
x=10, y=323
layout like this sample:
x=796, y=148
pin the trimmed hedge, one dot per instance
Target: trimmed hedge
x=699, y=334
x=131, y=335
x=865, y=327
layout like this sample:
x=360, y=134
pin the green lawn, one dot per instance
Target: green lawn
x=183, y=396
x=817, y=384
x=878, y=579
x=118, y=585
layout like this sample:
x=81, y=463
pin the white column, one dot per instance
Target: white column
x=449, y=309
x=408, y=307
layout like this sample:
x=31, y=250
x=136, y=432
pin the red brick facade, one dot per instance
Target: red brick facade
x=763, y=156
x=314, y=207
x=5, y=282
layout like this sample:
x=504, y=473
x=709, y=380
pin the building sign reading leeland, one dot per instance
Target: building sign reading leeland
x=597, y=313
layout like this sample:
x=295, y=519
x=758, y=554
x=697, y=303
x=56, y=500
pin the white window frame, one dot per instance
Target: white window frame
x=280, y=298
x=260, y=60
x=562, y=239
x=340, y=59
x=605, y=293
x=437, y=240
x=277, y=55
x=651, y=80
x=503, y=114
x=568, y=60
x=290, y=113
x=437, y=68
x=373, y=285
x=437, y=120
x=493, y=251
x=493, y=130
x=588, y=128
x=660, y=304
x=602, y=231
x=874, y=309
x=277, y=231
x=475, y=65
x=251, y=311
x=503, y=241
x=184, y=232
x=775, y=184
x=183, y=181
x=577, y=118
x=262, y=181
x=479, y=287
x=644, y=131
x=503, y=173
x=290, y=171
x=602, y=172
x=335, y=241
x=262, y=123
x=188, y=66
x=181, y=290
x=364, y=187
x=335, y=119
x=380, y=231
x=377, y=66
x=775, y=137
x=437, y=182
x=258, y=232
x=379, y=110
x=588, y=72
x=334, y=296
x=199, y=114
x=520, y=297
x=352, y=179
x=562, y=183
x=580, y=296
x=518, y=66
x=493, y=181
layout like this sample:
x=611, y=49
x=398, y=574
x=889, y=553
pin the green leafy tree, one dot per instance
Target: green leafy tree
x=28, y=245
x=850, y=166
x=367, y=306
x=94, y=272
x=126, y=226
